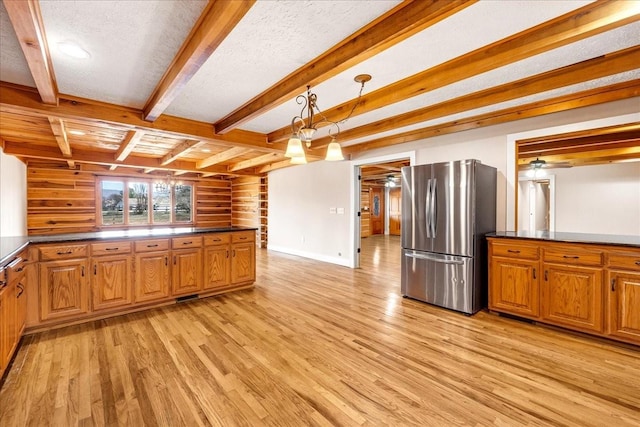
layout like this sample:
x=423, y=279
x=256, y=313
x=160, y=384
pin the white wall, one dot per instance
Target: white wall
x=300, y=201
x=13, y=196
x=598, y=199
x=305, y=193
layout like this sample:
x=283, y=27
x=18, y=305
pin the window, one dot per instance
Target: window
x=144, y=202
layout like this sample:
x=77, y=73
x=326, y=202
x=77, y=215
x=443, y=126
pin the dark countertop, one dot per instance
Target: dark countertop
x=557, y=236
x=11, y=246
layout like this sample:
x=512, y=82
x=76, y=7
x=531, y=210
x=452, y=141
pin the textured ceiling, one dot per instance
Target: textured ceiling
x=133, y=43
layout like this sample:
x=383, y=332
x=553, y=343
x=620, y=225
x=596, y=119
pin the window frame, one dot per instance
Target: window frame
x=150, y=182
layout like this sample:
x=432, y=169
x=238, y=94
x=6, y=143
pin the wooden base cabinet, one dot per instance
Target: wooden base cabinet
x=587, y=288
x=572, y=297
x=64, y=291
x=217, y=266
x=152, y=279
x=186, y=272
x=111, y=282
x=243, y=267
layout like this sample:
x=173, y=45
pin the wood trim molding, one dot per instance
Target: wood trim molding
x=405, y=20
x=217, y=20
x=26, y=20
x=579, y=24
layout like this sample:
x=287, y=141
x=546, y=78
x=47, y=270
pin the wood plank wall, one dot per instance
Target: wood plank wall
x=63, y=200
x=60, y=200
x=249, y=205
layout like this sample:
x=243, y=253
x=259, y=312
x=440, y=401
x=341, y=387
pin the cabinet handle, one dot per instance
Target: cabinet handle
x=18, y=270
x=95, y=269
x=234, y=253
x=513, y=251
x=21, y=290
x=546, y=275
x=152, y=246
x=111, y=249
x=613, y=285
x=245, y=238
x=83, y=271
x=216, y=240
x=637, y=262
x=166, y=260
x=227, y=253
x=65, y=253
x=570, y=257
x=187, y=243
x=534, y=273
x=174, y=260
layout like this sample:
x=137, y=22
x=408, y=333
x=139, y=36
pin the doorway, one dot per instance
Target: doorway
x=378, y=203
x=536, y=207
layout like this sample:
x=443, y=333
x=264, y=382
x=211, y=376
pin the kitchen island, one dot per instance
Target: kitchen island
x=584, y=282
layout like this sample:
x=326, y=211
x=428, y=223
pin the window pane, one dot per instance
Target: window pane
x=112, y=202
x=138, y=203
x=183, y=203
x=161, y=200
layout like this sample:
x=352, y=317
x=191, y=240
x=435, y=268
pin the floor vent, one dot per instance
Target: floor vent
x=187, y=298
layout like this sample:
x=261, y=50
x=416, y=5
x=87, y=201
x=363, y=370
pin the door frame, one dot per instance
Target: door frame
x=356, y=188
x=552, y=198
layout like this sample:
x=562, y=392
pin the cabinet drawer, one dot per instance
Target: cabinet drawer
x=515, y=251
x=152, y=245
x=110, y=248
x=243, y=236
x=573, y=256
x=626, y=261
x=48, y=253
x=16, y=270
x=186, y=242
x=217, y=239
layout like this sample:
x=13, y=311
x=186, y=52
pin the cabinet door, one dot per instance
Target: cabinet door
x=624, y=306
x=63, y=289
x=152, y=276
x=514, y=287
x=6, y=314
x=572, y=296
x=217, y=268
x=21, y=306
x=187, y=271
x=111, y=282
x=243, y=267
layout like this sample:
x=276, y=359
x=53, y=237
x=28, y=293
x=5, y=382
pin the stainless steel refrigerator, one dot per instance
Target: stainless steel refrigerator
x=447, y=208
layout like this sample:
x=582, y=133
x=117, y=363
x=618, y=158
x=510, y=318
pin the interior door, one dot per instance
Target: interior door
x=395, y=209
x=377, y=210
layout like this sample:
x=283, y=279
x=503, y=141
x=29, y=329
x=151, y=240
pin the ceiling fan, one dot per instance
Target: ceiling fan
x=537, y=166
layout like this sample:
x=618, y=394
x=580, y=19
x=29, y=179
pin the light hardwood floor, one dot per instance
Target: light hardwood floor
x=319, y=344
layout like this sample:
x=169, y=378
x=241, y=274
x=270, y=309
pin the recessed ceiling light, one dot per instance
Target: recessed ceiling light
x=206, y=150
x=76, y=132
x=73, y=50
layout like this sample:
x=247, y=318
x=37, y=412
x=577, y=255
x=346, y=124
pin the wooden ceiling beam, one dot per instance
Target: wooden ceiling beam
x=594, y=18
x=25, y=100
x=127, y=145
x=400, y=23
x=586, y=98
x=179, y=150
x=586, y=157
x=602, y=66
x=26, y=20
x=282, y=164
x=217, y=20
x=256, y=161
x=59, y=132
x=221, y=157
x=106, y=158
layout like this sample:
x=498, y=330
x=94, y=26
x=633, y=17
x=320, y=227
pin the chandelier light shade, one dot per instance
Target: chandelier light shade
x=334, y=152
x=305, y=125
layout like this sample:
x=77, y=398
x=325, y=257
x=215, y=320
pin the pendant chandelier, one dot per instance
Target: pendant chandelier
x=304, y=126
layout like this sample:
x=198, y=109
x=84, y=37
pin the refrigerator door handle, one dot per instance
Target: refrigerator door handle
x=427, y=208
x=434, y=207
x=433, y=258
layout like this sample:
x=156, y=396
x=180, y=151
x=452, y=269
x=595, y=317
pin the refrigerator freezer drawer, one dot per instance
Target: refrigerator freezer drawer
x=442, y=280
